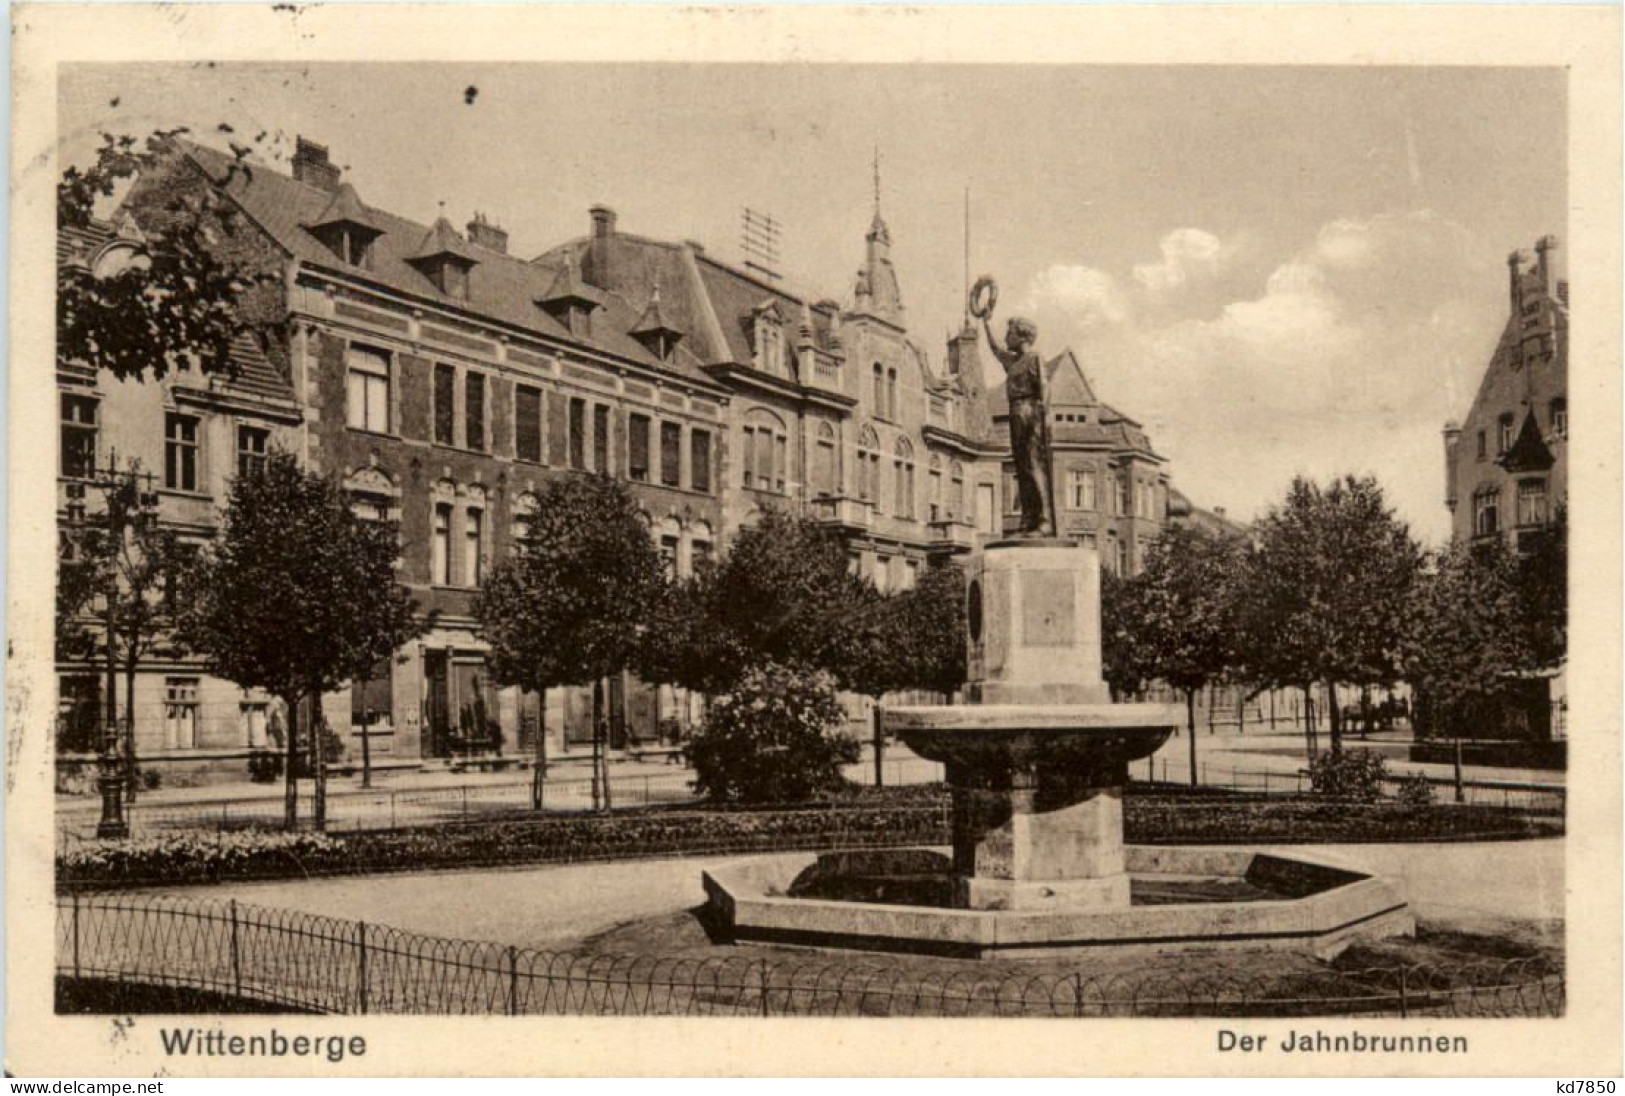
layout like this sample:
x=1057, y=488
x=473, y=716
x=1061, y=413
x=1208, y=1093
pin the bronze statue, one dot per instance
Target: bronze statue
x=1029, y=411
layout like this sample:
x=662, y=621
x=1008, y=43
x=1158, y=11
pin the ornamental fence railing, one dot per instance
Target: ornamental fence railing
x=305, y=962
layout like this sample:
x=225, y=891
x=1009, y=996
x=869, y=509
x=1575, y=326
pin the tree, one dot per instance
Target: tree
x=1326, y=591
x=1123, y=655
x=1183, y=610
x=1543, y=580
x=297, y=596
x=772, y=739
x=930, y=627
x=1467, y=634
x=188, y=297
x=570, y=605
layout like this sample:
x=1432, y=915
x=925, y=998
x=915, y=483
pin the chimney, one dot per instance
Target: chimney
x=488, y=234
x=603, y=231
x=1514, y=262
x=1452, y=436
x=1219, y=510
x=311, y=165
x=1542, y=264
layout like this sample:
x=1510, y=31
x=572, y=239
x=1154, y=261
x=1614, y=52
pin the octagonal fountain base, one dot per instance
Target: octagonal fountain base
x=1294, y=901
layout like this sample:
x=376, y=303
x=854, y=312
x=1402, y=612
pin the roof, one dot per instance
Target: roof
x=444, y=240
x=1182, y=509
x=1068, y=386
x=500, y=287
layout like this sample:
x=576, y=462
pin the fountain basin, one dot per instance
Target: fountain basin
x=1322, y=907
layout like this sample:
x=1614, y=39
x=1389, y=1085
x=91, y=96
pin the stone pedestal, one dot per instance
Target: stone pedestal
x=1037, y=762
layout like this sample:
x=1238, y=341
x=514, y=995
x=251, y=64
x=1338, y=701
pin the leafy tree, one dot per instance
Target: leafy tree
x=189, y=296
x=1467, y=634
x=297, y=596
x=930, y=627
x=122, y=568
x=771, y=739
x=1183, y=610
x=1327, y=590
x=569, y=606
x=1124, y=658
x=1543, y=579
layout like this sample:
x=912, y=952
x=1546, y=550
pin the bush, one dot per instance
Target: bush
x=771, y=740
x=1352, y=774
x=190, y=857
x=1415, y=791
x=265, y=766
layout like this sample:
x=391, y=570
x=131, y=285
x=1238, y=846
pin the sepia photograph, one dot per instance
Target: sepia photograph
x=739, y=538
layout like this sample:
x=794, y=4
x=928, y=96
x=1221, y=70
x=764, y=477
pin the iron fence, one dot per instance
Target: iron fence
x=308, y=962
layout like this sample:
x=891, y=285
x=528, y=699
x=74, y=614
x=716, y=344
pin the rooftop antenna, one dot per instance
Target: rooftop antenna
x=759, y=239
x=877, y=178
x=966, y=294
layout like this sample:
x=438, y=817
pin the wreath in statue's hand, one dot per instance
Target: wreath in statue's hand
x=979, y=307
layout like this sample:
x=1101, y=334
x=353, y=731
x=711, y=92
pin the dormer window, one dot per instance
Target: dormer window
x=346, y=228
x=445, y=260
x=571, y=301
x=658, y=334
x=770, y=339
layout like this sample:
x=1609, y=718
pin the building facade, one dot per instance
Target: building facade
x=1506, y=466
x=444, y=380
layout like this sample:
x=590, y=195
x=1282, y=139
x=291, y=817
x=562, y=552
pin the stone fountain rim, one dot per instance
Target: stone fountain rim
x=1004, y=718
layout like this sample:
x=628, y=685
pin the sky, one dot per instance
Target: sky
x=1277, y=270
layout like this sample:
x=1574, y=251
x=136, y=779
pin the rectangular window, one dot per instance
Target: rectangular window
x=1081, y=489
x=1503, y=438
x=1560, y=417
x=1532, y=502
x=79, y=713
x=600, y=438
x=372, y=700
x=824, y=470
x=934, y=497
x=747, y=463
x=251, y=445
x=181, y=452
x=440, y=562
x=882, y=575
x=78, y=436
x=473, y=554
x=637, y=447
x=474, y=409
x=1482, y=453
x=527, y=433
x=368, y=389
x=668, y=555
x=578, y=434
x=764, y=460
x=699, y=553
x=445, y=404
x=180, y=713
x=987, y=509
x=956, y=496
x=699, y=460
x=911, y=574
x=253, y=717
x=1123, y=504
x=1486, y=511
x=671, y=454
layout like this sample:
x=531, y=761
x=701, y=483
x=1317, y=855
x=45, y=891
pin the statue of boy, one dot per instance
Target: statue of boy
x=1029, y=422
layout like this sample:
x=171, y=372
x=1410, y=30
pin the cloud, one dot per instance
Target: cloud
x=1341, y=360
x=1188, y=255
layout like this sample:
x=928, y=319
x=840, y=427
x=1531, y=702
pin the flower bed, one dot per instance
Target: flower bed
x=878, y=818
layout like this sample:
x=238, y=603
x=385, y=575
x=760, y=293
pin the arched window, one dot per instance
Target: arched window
x=1487, y=510
x=891, y=394
x=824, y=477
x=668, y=536
x=869, y=466
x=903, y=468
x=524, y=512
x=699, y=545
x=765, y=451
x=880, y=389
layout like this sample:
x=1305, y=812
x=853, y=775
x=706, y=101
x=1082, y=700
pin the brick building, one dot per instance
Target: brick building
x=444, y=380
x=1506, y=467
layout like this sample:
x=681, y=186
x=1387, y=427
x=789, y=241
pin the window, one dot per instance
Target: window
x=445, y=404
x=699, y=460
x=911, y=574
x=882, y=575
x=771, y=338
x=251, y=446
x=891, y=393
x=933, y=499
x=1123, y=559
x=637, y=447
x=368, y=390
x=578, y=434
x=524, y=512
x=253, y=717
x=880, y=389
x=781, y=461
x=671, y=454
x=824, y=461
x=180, y=713
x=181, y=452
x=600, y=438
x=668, y=554
x=700, y=553
x=1123, y=496
x=1560, y=417
x=79, y=713
x=1503, y=437
x=1482, y=449
x=474, y=409
x=956, y=493
x=1486, y=511
x=869, y=466
x=78, y=435
x=1532, y=502
x=1081, y=488
x=352, y=244
x=372, y=699
x=903, y=468
x=987, y=509
x=368, y=507
x=440, y=562
x=473, y=555
x=766, y=452
x=527, y=433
